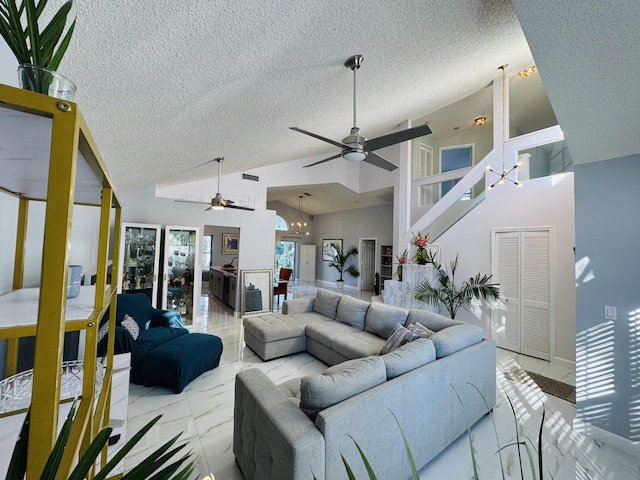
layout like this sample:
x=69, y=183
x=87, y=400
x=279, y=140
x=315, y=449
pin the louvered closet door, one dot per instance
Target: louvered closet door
x=522, y=267
x=506, y=268
x=536, y=294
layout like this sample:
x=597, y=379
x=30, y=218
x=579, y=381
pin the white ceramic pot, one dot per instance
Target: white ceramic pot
x=339, y=284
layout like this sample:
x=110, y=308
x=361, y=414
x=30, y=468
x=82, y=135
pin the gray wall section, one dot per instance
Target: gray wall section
x=607, y=201
x=350, y=226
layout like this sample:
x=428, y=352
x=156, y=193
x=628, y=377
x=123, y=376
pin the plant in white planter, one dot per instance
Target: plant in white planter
x=39, y=51
x=342, y=264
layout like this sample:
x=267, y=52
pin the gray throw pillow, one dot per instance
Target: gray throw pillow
x=420, y=330
x=326, y=303
x=408, y=357
x=131, y=325
x=352, y=311
x=399, y=336
x=104, y=329
x=381, y=319
x=340, y=382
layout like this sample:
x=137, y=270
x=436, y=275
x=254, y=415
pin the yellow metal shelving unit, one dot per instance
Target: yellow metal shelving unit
x=48, y=154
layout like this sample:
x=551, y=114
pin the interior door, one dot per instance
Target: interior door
x=367, y=255
x=522, y=266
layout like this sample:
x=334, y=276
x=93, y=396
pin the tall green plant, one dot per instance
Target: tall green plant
x=154, y=466
x=19, y=26
x=341, y=259
x=452, y=297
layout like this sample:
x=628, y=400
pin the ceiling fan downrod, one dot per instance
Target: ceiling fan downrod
x=354, y=64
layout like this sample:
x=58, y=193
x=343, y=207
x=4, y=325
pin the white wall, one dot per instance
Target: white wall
x=543, y=202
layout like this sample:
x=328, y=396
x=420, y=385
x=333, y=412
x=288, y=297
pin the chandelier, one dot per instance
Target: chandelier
x=504, y=174
x=299, y=227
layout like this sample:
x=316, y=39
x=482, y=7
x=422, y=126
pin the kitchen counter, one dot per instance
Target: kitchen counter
x=224, y=270
x=222, y=284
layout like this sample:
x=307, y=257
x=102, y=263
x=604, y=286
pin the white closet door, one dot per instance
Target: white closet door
x=307, y=263
x=522, y=267
x=506, y=270
x=536, y=294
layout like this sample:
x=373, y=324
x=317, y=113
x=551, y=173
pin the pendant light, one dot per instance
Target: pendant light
x=299, y=228
x=504, y=174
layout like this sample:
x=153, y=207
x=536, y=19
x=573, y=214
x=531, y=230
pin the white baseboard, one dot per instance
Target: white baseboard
x=563, y=362
x=333, y=285
x=610, y=440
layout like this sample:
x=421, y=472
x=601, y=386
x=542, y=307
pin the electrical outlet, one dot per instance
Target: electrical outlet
x=609, y=313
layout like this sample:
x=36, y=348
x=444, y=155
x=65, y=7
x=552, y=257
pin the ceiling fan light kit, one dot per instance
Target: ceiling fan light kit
x=357, y=148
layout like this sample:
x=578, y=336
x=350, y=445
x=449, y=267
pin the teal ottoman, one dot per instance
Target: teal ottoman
x=174, y=364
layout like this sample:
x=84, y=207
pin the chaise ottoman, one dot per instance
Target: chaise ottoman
x=274, y=335
x=174, y=364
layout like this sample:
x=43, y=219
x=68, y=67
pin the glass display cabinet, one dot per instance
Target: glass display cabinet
x=140, y=245
x=182, y=278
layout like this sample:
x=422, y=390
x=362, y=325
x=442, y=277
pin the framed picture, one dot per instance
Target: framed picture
x=328, y=250
x=229, y=244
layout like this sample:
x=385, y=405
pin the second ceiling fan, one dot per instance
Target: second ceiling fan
x=357, y=148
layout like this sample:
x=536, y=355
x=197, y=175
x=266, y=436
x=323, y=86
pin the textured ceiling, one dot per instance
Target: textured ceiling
x=168, y=85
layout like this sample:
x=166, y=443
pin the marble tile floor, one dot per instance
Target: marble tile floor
x=204, y=412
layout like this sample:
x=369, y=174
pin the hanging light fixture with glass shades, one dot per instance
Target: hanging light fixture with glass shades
x=299, y=227
x=504, y=174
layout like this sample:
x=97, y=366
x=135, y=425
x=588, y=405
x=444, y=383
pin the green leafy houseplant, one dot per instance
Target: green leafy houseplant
x=154, y=466
x=452, y=297
x=341, y=259
x=19, y=26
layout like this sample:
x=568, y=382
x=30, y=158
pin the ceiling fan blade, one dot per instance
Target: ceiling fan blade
x=193, y=201
x=378, y=161
x=324, y=139
x=397, y=137
x=238, y=207
x=325, y=160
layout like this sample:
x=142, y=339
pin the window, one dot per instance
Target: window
x=281, y=223
x=424, y=166
x=454, y=158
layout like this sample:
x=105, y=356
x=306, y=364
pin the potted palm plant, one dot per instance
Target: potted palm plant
x=340, y=261
x=39, y=51
x=452, y=297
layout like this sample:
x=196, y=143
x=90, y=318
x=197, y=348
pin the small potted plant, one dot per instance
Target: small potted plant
x=402, y=260
x=39, y=51
x=421, y=241
x=340, y=263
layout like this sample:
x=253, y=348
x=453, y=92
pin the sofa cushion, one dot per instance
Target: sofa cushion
x=326, y=332
x=352, y=311
x=340, y=382
x=147, y=341
x=431, y=320
x=451, y=339
x=408, y=357
x=399, y=336
x=291, y=390
x=420, y=330
x=326, y=303
x=271, y=327
x=381, y=319
x=357, y=345
x=309, y=317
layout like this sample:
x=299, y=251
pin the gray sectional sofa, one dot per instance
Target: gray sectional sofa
x=434, y=387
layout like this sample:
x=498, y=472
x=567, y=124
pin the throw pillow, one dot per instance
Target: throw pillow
x=131, y=325
x=399, y=336
x=102, y=332
x=420, y=330
x=352, y=311
x=452, y=339
x=326, y=303
x=340, y=382
x=381, y=319
x=409, y=357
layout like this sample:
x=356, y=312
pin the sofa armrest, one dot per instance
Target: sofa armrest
x=165, y=318
x=298, y=305
x=123, y=343
x=272, y=438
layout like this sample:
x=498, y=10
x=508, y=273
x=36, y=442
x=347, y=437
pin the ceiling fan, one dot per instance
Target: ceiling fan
x=357, y=148
x=217, y=202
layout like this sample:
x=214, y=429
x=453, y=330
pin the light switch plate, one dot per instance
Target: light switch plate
x=609, y=312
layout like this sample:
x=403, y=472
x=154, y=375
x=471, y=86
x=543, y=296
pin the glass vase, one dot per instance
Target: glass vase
x=42, y=80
